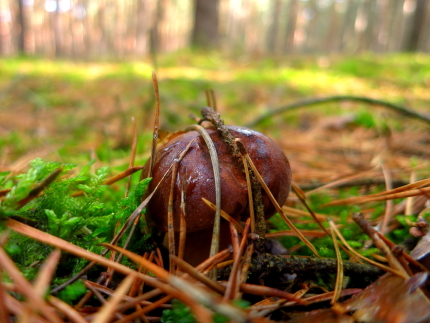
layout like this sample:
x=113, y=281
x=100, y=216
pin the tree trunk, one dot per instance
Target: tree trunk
x=418, y=22
x=206, y=18
x=272, y=35
x=22, y=27
x=291, y=26
x=58, y=50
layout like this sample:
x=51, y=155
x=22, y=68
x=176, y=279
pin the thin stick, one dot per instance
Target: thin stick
x=4, y=313
x=233, y=286
x=144, y=310
x=41, y=186
x=198, y=295
x=80, y=252
x=156, y=122
x=312, y=213
x=187, y=268
x=370, y=261
x=339, y=274
x=413, y=189
x=220, y=255
x=108, y=309
x=35, y=301
x=246, y=262
x=388, y=203
x=170, y=224
x=224, y=215
x=337, y=98
x=215, y=165
x=132, y=154
x=70, y=312
x=182, y=221
x=214, y=105
x=250, y=200
x=379, y=243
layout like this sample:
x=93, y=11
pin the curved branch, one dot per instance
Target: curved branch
x=395, y=107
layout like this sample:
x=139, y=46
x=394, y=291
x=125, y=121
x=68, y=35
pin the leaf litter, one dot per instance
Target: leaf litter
x=332, y=159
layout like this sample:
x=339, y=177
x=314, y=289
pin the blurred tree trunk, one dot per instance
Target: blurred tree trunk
x=58, y=50
x=22, y=27
x=272, y=34
x=330, y=45
x=347, y=29
x=396, y=26
x=291, y=26
x=417, y=28
x=142, y=27
x=206, y=18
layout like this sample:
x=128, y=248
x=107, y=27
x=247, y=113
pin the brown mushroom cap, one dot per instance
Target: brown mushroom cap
x=196, y=167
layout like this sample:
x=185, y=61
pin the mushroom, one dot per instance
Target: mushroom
x=196, y=169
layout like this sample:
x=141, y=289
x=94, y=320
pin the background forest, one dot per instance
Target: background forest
x=99, y=29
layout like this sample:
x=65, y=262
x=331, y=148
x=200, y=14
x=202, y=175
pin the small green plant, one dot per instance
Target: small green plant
x=87, y=220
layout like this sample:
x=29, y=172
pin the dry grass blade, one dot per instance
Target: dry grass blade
x=303, y=200
x=370, y=261
x=190, y=270
x=407, y=257
x=400, y=192
x=170, y=228
x=16, y=307
x=380, y=244
x=389, y=204
x=295, y=212
x=108, y=309
x=189, y=293
x=306, y=233
x=69, y=311
x=232, y=285
x=250, y=199
x=144, y=310
x=275, y=203
x=132, y=154
x=182, y=222
x=80, y=252
x=44, y=277
x=24, y=286
x=246, y=262
x=156, y=123
x=214, y=259
x=339, y=275
x=265, y=291
x=217, y=179
x=341, y=181
x=3, y=310
x=41, y=186
x=224, y=215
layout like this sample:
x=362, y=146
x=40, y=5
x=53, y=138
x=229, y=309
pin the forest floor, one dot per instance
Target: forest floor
x=72, y=112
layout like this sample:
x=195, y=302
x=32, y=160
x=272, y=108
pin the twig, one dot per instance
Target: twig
x=156, y=123
x=266, y=264
x=337, y=98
